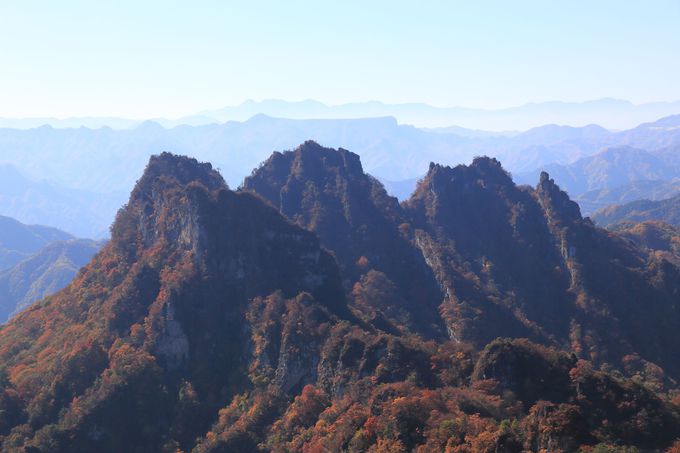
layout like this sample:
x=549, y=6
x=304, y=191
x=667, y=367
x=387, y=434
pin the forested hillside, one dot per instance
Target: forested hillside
x=310, y=312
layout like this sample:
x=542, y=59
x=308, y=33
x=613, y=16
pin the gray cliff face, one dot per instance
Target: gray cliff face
x=326, y=191
x=214, y=251
x=173, y=344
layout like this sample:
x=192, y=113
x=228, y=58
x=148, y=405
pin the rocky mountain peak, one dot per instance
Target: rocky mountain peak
x=555, y=201
x=181, y=170
x=211, y=323
x=483, y=171
x=309, y=161
x=491, y=168
x=165, y=204
x=183, y=207
x=326, y=191
x=170, y=296
x=311, y=152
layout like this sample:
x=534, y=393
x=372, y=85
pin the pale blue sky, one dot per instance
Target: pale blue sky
x=163, y=58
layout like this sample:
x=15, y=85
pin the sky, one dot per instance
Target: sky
x=145, y=59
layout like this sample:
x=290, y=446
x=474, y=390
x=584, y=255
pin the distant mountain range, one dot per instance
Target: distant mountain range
x=613, y=167
x=667, y=210
x=43, y=273
x=36, y=261
x=19, y=241
x=112, y=159
x=400, y=189
x=610, y=113
x=636, y=190
x=621, y=174
x=83, y=198
x=82, y=213
x=606, y=168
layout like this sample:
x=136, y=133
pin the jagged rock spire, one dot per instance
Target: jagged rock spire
x=555, y=201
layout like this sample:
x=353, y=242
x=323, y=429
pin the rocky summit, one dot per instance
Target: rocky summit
x=310, y=311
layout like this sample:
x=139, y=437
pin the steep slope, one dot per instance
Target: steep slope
x=210, y=323
x=326, y=191
x=523, y=263
x=44, y=273
x=163, y=303
x=472, y=224
x=19, y=241
x=667, y=210
x=511, y=261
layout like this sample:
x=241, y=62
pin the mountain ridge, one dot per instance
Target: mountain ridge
x=666, y=210
x=83, y=213
x=624, y=113
x=326, y=191
x=211, y=323
x=613, y=167
x=18, y=241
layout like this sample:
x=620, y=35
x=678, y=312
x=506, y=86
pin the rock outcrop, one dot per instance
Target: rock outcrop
x=212, y=323
x=326, y=191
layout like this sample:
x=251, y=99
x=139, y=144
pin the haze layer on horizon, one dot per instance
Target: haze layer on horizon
x=170, y=59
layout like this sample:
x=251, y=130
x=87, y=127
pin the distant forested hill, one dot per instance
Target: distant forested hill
x=667, y=210
x=19, y=241
x=43, y=273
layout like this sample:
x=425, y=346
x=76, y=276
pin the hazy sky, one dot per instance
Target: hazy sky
x=147, y=58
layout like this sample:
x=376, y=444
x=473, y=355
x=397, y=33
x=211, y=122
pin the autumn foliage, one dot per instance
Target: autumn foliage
x=476, y=317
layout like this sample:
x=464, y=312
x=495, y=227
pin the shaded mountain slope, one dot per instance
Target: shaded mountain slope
x=326, y=191
x=210, y=323
x=185, y=257
x=508, y=260
x=471, y=224
x=521, y=262
x=42, y=274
